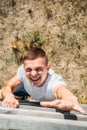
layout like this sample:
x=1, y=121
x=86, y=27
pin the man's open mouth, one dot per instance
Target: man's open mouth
x=35, y=81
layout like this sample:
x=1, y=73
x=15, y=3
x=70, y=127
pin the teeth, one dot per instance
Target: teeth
x=34, y=79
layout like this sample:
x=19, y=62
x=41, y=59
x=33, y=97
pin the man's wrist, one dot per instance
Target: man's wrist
x=7, y=95
x=10, y=94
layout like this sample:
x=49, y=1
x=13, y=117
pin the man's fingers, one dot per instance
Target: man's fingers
x=65, y=106
x=50, y=103
x=60, y=104
x=79, y=109
x=13, y=104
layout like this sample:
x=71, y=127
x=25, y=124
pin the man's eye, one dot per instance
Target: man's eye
x=39, y=69
x=28, y=70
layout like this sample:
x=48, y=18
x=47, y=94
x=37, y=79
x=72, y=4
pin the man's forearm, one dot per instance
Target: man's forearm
x=6, y=91
x=9, y=99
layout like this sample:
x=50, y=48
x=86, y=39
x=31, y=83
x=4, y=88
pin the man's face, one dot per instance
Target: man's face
x=36, y=71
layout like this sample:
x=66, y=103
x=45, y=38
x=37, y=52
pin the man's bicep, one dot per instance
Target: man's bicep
x=14, y=82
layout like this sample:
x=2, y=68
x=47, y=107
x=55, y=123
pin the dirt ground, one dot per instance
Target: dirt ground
x=62, y=25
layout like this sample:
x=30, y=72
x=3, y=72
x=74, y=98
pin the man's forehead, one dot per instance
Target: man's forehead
x=34, y=64
x=38, y=60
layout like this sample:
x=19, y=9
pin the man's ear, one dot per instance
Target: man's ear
x=48, y=67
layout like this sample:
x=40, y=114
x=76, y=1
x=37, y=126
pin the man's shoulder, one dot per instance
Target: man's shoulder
x=55, y=79
x=53, y=73
x=21, y=67
x=21, y=73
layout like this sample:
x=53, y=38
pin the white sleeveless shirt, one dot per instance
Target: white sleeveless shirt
x=44, y=93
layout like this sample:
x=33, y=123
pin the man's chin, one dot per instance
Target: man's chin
x=35, y=84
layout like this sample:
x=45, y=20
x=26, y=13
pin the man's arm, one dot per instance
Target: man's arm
x=9, y=99
x=65, y=100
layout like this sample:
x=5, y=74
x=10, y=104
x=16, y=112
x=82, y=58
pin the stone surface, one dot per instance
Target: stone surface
x=33, y=117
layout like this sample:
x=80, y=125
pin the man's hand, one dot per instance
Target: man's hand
x=10, y=101
x=63, y=105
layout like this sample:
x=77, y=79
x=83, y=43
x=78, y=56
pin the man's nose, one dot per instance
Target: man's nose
x=33, y=73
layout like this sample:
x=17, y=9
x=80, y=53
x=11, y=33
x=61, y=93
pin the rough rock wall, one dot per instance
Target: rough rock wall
x=63, y=26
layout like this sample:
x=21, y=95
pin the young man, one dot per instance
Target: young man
x=41, y=83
